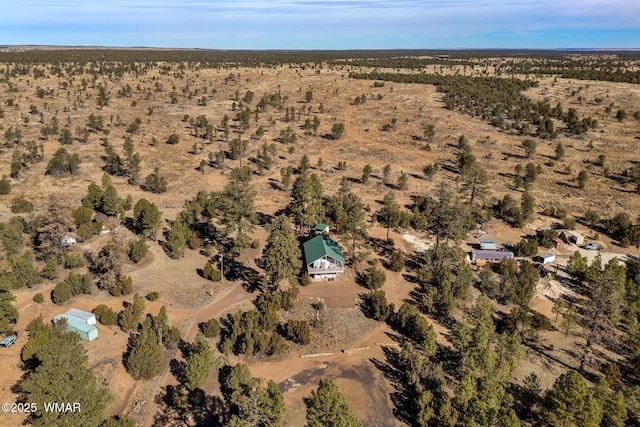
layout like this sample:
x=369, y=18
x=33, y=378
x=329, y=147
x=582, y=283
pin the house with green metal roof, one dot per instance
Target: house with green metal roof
x=323, y=257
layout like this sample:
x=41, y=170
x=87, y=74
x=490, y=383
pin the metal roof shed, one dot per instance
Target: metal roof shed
x=85, y=316
x=84, y=330
x=487, y=243
x=545, y=258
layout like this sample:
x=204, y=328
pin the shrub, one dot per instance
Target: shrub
x=123, y=287
x=526, y=247
x=61, y=293
x=153, y=295
x=5, y=185
x=305, y=280
x=255, y=244
x=546, y=238
x=194, y=241
x=21, y=205
x=105, y=315
x=377, y=306
x=173, y=139
x=39, y=298
x=210, y=328
x=298, y=331
x=137, y=249
x=73, y=285
x=397, y=262
x=73, y=260
x=569, y=223
x=374, y=278
x=211, y=273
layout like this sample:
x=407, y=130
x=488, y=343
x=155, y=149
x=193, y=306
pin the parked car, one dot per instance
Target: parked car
x=592, y=246
x=8, y=341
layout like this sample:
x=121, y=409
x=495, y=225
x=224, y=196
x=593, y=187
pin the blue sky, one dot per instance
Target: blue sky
x=332, y=24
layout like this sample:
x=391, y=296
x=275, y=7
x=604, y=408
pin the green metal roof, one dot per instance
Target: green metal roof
x=321, y=227
x=320, y=246
x=78, y=325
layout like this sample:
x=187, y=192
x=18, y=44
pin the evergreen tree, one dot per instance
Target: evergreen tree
x=328, y=407
x=252, y=404
x=59, y=372
x=475, y=183
x=306, y=200
x=281, y=255
x=177, y=240
x=238, y=211
x=147, y=218
x=366, y=173
x=389, y=215
x=5, y=185
x=199, y=363
x=143, y=360
x=559, y=151
x=155, y=183
x=572, y=403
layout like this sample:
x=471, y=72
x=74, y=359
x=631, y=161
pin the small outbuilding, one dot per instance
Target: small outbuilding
x=323, y=257
x=558, y=243
x=68, y=241
x=321, y=229
x=86, y=331
x=545, y=258
x=488, y=244
x=106, y=222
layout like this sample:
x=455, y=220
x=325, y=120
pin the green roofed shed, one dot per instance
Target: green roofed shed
x=86, y=331
x=321, y=228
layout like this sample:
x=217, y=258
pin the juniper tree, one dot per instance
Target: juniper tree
x=199, y=363
x=366, y=173
x=327, y=406
x=147, y=218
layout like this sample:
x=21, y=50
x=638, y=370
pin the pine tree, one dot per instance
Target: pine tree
x=389, y=215
x=327, y=406
x=177, y=239
x=572, y=403
x=59, y=372
x=238, y=211
x=281, y=255
x=306, y=200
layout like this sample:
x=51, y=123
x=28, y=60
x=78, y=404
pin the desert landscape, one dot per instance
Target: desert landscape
x=192, y=179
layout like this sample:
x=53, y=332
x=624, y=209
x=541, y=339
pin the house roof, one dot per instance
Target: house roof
x=320, y=246
x=486, y=240
x=490, y=255
x=99, y=216
x=321, y=227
